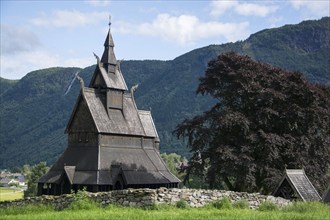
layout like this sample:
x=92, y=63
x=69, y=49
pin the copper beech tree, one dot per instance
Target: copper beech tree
x=265, y=119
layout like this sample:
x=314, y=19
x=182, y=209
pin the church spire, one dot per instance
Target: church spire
x=107, y=72
x=108, y=58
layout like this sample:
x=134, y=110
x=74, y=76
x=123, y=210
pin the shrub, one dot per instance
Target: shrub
x=83, y=204
x=182, y=204
x=81, y=201
x=224, y=203
x=241, y=204
x=268, y=206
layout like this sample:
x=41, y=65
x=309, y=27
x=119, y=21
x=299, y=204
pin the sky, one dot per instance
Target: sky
x=42, y=34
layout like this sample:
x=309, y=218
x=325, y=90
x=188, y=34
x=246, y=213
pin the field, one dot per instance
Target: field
x=89, y=210
x=10, y=193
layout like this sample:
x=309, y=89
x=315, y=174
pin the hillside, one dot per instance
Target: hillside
x=6, y=84
x=34, y=110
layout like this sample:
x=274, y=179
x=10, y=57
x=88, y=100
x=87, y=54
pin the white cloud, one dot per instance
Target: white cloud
x=312, y=9
x=69, y=19
x=186, y=29
x=98, y=3
x=249, y=9
x=17, y=39
x=218, y=8
x=34, y=60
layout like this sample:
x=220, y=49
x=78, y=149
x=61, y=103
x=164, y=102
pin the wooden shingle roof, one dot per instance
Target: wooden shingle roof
x=128, y=121
x=296, y=185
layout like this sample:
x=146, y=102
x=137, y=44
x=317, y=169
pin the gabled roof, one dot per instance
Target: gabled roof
x=107, y=73
x=326, y=196
x=300, y=183
x=108, y=80
x=148, y=123
x=80, y=105
x=6, y=180
x=128, y=121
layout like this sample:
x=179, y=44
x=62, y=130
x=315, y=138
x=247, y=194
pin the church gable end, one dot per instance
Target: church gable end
x=82, y=120
x=98, y=80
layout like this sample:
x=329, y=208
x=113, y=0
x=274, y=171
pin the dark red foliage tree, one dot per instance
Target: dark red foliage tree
x=265, y=119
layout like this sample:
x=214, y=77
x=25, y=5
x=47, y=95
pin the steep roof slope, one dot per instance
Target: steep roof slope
x=300, y=183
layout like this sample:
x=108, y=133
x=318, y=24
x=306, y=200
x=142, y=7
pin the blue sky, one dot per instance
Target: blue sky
x=41, y=34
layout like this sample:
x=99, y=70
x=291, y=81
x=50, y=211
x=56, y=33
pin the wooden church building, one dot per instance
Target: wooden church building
x=111, y=144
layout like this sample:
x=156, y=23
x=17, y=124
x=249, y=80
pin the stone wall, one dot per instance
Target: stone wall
x=148, y=197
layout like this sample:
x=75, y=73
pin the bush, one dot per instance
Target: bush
x=241, y=204
x=81, y=201
x=224, y=203
x=182, y=204
x=83, y=204
x=268, y=206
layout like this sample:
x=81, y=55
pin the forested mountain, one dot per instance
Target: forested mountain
x=34, y=110
x=6, y=84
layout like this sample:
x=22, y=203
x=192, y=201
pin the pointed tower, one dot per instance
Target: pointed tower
x=111, y=144
x=108, y=76
x=108, y=58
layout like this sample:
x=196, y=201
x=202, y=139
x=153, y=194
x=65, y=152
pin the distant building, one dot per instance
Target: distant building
x=5, y=181
x=10, y=179
x=21, y=180
x=295, y=185
x=111, y=145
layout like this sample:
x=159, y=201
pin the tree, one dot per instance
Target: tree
x=172, y=161
x=32, y=178
x=265, y=119
x=25, y=169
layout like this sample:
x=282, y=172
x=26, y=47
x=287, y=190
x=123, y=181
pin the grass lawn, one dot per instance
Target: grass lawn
x=83, y=211
x=10, y=193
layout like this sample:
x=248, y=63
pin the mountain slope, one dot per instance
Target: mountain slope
x=6, y=84
x=34, y=111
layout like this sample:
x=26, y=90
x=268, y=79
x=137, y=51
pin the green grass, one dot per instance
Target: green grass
x=10, y=193
x=223, y=203
x=298, y=211
x=268, y=206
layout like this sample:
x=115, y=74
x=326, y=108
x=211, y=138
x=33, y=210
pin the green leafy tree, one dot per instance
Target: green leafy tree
x=178, y=166
x=172, y=161
x=265, y=119
x=32, y=178
x=25, y=170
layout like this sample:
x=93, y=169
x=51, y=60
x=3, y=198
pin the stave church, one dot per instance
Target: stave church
x=112, y=145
